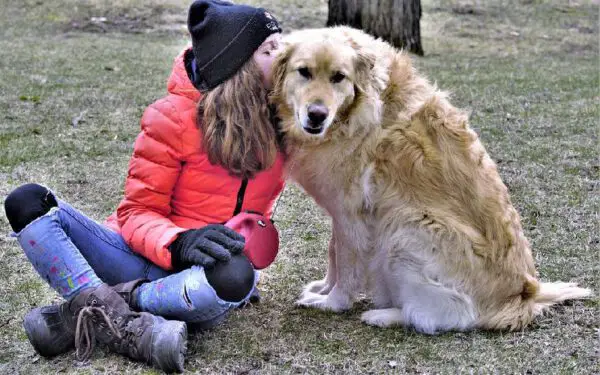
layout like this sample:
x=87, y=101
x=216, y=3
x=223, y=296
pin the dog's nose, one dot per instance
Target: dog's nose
x=317, y=113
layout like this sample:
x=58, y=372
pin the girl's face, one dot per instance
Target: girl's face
x=265, y=55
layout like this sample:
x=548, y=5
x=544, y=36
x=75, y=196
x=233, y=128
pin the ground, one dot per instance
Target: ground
x=76, y=76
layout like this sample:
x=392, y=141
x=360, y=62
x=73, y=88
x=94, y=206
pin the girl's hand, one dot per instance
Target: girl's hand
x=205, y=246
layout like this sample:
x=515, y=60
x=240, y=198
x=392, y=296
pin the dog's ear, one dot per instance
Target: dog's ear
x=363, y=65
x=365, y=62
x=280, y=68
x=366, y=106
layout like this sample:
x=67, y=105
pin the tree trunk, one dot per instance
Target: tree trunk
x=396, y=21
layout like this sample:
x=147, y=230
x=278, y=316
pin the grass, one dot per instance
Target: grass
x=71, y=95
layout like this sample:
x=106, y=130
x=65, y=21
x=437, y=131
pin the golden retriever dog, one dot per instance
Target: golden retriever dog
x=421, y=221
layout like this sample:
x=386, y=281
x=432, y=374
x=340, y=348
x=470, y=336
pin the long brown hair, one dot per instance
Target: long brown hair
x=234, y=119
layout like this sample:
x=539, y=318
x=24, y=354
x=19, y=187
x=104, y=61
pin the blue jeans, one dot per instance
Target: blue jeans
x=72, y=252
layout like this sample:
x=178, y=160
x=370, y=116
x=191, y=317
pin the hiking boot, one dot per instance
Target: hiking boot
x=51, y=329
x=107, y=318
x=100, y=314
x=126, y=291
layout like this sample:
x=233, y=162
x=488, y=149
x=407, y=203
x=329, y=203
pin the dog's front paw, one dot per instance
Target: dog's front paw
x=330, y=302
x=318, y=287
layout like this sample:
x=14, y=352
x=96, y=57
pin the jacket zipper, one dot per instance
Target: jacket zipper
x=240, y=197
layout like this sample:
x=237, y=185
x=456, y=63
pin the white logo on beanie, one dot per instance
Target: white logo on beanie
x=272, y=26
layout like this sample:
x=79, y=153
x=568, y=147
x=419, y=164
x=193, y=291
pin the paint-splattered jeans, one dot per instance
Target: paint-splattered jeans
x=71, y=252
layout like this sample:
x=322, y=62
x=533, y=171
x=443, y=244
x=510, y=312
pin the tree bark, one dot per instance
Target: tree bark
x=397, y=21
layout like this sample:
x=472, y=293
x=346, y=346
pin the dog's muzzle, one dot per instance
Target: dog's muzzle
x=317, y=114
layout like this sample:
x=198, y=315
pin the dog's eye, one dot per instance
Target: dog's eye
x=304, y=72
x=337, y=77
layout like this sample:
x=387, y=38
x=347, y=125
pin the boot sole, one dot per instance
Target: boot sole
x=172, y=347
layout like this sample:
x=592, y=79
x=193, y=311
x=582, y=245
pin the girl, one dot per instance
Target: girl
x=206, y=152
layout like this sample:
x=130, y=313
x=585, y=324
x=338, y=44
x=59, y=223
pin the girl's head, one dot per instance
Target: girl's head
x=233, y=48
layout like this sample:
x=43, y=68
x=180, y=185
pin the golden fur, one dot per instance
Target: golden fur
x=421, y=220
x=236, y=129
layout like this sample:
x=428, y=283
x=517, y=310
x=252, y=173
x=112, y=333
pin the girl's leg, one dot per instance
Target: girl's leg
x=67, y=248
x=193, y=295
x=105, y=250
x=198, y=296
x=45, y=231
x=83, y=247
x=32, y=212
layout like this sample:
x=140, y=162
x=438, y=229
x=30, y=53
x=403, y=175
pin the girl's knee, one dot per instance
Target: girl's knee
x=233, y=280
x=26, y=203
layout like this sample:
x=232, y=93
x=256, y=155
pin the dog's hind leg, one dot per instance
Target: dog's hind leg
x=430, y=301
x=383, y=317
x=434, y=308
x=428, y=309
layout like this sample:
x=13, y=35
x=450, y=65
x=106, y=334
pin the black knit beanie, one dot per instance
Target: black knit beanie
x=224, y=37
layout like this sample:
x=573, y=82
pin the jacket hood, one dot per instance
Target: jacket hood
x=179, y=83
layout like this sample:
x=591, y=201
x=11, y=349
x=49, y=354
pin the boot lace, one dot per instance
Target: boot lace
x=130, y=338
x=85, y=334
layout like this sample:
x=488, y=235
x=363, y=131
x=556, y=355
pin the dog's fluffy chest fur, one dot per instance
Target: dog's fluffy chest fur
x=337, y=176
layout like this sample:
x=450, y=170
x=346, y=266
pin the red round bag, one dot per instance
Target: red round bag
x=262, y=238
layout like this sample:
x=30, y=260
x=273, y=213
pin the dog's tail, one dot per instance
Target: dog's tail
x=536, y=297
x=552, y=293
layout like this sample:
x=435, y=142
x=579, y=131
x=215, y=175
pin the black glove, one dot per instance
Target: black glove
x=205, y=246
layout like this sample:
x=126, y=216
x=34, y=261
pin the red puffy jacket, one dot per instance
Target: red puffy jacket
x=171, y=186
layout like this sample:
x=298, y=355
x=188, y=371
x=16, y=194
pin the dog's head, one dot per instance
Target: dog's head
x=320, y=77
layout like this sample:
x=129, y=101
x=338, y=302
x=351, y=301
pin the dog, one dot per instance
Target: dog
x=421, y=221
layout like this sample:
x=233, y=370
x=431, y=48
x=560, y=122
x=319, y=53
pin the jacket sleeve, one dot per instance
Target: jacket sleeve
x=153, y=172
